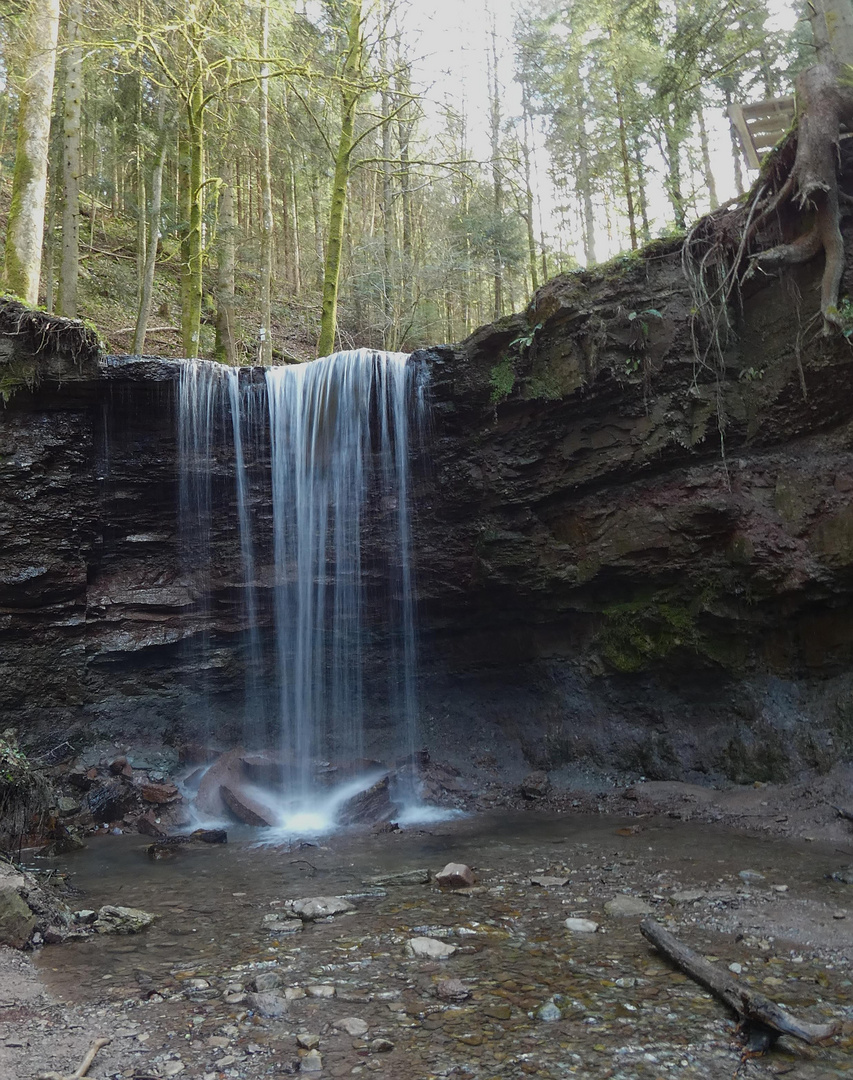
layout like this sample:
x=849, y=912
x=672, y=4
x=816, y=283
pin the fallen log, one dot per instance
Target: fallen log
x=84, y=1064
x=754, y=1009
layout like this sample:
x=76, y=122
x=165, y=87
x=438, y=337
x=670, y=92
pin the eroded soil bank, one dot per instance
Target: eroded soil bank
x=521, y=995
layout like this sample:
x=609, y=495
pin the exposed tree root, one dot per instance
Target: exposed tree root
x=800, y=178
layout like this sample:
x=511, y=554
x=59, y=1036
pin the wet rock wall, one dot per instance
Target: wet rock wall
x=630, y=558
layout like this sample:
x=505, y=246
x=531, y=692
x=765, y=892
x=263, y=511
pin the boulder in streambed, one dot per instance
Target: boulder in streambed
x=247, y=808
x=456, y=876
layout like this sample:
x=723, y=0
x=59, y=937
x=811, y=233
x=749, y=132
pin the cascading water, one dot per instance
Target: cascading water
x=326, y=584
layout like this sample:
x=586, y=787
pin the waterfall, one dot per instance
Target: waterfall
x=295, y=498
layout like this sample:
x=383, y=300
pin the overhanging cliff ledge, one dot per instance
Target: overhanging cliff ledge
x=630, y=555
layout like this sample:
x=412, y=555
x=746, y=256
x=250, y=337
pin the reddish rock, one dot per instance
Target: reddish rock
x=369, y=806
x=226, y=770
x=148, y=826
x=159, y=793
x=264, y=768
x=246, y=808
x=456, y=876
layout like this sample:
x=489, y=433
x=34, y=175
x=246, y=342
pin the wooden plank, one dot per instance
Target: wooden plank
x=760, y=125
x=738, y=119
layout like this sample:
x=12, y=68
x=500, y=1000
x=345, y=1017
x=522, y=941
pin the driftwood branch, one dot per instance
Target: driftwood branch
x=846, y=814
x=753, y=1008
x=84, y=1064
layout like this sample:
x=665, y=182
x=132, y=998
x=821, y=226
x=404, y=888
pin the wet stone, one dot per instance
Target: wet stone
x=312, y=1062
x=310, y=908
x=581, y=926
x=320, y=990
x=265, y=980
x=305, y=1041
x=267, y=1004
x=424, y=948
x=351, y=1025
x=380, y=1046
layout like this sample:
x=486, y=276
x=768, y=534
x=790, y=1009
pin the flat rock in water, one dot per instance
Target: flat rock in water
x=687, y=896
x=268, y=1004
x=425, y=948
x=370, y=806
x=452, y=990
x=404, y=877
x=456, y=876
x=246, y=808
x=546, y=882
x=351, y=1025
x=122, y=920
x=581, y=926
x=310, y=908
x=276, y=925
x=622, y=906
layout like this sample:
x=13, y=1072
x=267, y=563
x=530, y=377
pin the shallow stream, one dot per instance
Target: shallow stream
x=544, y=1001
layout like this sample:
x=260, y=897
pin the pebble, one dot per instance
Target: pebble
x=312, y=1062
x=779, y=888
x=750, y=875
x=320, y=990
x=549, y=1012
x=581, y=926
x=381, y=1046
x=424, y=948
x=307, y=1042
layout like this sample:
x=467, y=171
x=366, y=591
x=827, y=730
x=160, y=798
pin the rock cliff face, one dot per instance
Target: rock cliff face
x=603, y=580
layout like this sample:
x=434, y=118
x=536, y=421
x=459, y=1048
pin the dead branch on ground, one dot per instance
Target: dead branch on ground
x=84, y=1064
x=754, y=1009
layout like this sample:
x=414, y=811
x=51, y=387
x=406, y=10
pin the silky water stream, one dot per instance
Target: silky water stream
x=522, y=994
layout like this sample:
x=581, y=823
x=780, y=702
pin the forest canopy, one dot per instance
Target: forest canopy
x=257, y=181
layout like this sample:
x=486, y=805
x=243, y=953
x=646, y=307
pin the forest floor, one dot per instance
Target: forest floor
x=523, y=994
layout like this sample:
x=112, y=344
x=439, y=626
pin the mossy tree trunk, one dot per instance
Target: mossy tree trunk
x=350, y=95
x=147, y=284
x=265, y=351
x=226, y=346
x=25, y=228
x=192, y=202
x=73, y=89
